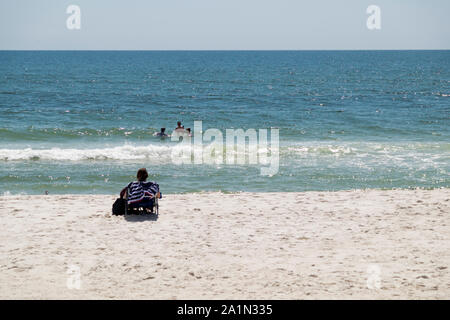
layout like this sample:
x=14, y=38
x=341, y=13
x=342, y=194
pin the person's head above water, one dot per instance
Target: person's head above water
x=179, y=127
x=163, y=130
x=142, y=174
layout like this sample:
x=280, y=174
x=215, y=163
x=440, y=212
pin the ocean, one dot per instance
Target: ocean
x=80, y=122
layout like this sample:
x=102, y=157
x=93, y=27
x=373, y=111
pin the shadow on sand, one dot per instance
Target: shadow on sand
x=141, y=217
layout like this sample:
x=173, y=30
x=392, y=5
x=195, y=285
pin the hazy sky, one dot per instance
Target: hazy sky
x=224, y=24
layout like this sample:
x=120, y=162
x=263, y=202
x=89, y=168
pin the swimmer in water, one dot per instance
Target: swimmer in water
x=179, y=127
x=162, y=133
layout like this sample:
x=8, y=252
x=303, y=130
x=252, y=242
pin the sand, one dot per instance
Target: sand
x=369, y=244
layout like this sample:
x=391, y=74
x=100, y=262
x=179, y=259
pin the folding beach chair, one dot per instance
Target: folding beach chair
x=142, y=209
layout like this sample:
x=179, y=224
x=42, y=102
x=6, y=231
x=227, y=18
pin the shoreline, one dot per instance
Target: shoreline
x=352, y=244
x=12, y=195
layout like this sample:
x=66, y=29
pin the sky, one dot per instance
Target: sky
x=224, y=25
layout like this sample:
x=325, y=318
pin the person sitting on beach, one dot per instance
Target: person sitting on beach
x=141, y=193
x=162, y=133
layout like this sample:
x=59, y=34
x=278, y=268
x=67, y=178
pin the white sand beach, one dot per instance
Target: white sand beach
x=369, y=244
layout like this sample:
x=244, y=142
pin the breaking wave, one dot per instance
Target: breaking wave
x=163, y=153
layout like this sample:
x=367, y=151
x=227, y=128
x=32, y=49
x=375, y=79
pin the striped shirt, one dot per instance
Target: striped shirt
x=141, y=190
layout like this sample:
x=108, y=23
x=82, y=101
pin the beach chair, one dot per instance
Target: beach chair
x=139, y=210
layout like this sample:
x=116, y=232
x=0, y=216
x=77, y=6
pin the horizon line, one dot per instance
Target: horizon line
x=235, y=50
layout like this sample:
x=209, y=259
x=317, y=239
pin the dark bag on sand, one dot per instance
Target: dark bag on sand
x=118, y=207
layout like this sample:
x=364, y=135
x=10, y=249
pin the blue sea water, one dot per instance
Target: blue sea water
x=83, y=121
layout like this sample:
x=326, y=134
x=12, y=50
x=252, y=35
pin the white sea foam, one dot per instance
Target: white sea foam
x=8, y=193
x=153, y=153
x=322, y=149
x=163, y=153
x=125, y=152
